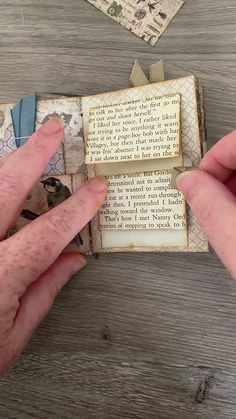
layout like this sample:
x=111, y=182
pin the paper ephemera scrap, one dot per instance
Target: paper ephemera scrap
x=142, y=201
x=147, y=19
x=139, y=130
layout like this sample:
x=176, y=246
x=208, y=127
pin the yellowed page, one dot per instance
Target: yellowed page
x=142, y=208
x=139, y=130
x=142, y=201
x=143, y=240
x=106, y=169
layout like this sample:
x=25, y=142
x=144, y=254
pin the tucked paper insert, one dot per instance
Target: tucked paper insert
x=142, y=201
x=139, y=130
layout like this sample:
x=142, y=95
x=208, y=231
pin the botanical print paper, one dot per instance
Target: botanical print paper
x=147, y=19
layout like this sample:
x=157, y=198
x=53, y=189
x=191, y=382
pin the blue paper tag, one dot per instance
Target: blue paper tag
x=24, y=119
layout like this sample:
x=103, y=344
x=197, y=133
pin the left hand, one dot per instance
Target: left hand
x=32, y=268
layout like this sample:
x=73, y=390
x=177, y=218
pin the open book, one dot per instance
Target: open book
x=134, y=137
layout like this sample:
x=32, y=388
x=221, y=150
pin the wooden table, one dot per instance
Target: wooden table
x=135, y=335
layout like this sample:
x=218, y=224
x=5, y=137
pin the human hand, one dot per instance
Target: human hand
x=32, y=269
x=211, y=193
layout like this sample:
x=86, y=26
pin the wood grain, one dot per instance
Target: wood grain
x=134, y=336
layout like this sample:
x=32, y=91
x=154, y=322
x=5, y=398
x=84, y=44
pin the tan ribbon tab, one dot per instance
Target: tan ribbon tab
x=138, y=77
x=156, y=72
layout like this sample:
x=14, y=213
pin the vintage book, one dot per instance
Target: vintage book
x=134, y=137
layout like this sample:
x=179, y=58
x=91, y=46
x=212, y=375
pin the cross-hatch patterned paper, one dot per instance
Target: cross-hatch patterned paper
x=147, y=19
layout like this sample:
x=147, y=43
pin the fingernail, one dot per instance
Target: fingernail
x=52, y=126
x=180, y=177
x=98, y=184
x=177, y=174
x=80, y=264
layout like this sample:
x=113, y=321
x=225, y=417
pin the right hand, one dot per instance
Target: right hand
x=211, y=193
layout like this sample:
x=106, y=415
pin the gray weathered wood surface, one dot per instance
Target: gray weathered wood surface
x=134, y=336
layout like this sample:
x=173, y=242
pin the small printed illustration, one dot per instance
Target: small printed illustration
x=46, y=195
x=62, y=115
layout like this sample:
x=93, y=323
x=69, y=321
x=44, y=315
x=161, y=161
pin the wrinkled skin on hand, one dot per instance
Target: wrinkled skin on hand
x=32, y=268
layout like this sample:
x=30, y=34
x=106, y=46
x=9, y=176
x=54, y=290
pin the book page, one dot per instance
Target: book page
x=139, y=130
x=106, y=169
x=142, y=201
x=142, y=209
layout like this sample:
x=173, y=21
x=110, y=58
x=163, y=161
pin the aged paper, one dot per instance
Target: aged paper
x=74, y=155
x=192, y=239
x=69, y=158
x=139, y=130
x=146, y=19
x=143, y=240
x=107, y=169
x=69, y=110
x=67, y=161
x=142, y=201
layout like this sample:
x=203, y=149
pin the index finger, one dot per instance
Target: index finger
x=214, y=207
x=22, y=168
x=34, y=248
x=220, y=160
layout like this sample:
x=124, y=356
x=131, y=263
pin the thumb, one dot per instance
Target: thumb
x=215, y=209
x=40, y=295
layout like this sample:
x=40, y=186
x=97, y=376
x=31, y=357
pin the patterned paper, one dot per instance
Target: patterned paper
x=147, y=19
x=68, y=109
x=67, y=164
